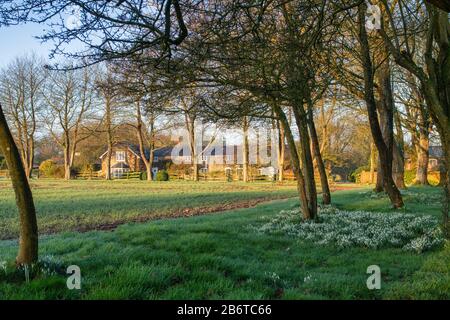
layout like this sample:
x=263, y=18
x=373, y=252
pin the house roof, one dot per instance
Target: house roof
x=163, y=152
x=167, y=151
x=436, y=152
x=132, y=147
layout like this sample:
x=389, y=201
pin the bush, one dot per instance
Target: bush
x=50, y=169
x=410, y=176
x=47, y=168
x=162, y=176
x=360, y=229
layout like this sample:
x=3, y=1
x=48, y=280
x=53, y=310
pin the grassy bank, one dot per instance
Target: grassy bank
x=218, y=256
x=85, y=205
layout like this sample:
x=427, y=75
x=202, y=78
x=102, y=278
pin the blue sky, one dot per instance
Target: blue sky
x=19, y=40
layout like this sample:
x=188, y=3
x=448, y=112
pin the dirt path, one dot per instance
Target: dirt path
x=191, y=212
x=180, y=213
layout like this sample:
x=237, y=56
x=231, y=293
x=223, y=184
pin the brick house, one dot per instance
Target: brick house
x=435, y=160
x=126, y=158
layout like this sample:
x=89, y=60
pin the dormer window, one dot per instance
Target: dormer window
x=120, y=156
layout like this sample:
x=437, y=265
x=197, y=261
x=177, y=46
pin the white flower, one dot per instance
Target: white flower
x=359, y=228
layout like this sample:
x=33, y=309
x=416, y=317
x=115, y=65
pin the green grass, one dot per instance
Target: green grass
x=217, y=256
x=86, y=205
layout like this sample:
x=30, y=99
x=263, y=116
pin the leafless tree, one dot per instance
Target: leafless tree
x=71, y=97
x=21, y=93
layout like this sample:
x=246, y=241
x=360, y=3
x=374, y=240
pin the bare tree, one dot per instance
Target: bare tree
x=110, y=93
x=21, y=85
x=70, y=96
x=107, y=29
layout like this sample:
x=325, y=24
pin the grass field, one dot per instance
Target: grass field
x=86, y=205
x=215, y=256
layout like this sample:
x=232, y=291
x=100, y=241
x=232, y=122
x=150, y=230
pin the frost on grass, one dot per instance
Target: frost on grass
x=360, y=229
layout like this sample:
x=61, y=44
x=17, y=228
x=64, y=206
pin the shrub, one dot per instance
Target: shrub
x=162, y=176
x=410, y=176
x=50, y=169
x=360, y=229
x=47, y=168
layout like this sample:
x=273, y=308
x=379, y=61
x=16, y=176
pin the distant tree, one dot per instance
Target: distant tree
x=107, y=86
x=70, y=96
x=21, y=85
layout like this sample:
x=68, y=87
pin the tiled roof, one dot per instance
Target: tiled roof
x=436, y=152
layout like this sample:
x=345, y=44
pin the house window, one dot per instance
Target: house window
x=119, y=172
x=155, y=159
x=120, y=156
x=432, y=163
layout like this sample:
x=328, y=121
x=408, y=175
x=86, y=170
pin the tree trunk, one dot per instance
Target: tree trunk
x=326, y=194
x=385, y=153
x=245, y=150
x=30, y=158
x=66, y=156
x=307, y=162
x=399, y=153
x=422, y=159
x=66, y=163
x=150, y=164
x=379, y=185
x=398, y=171
x=28, y=242
x=423, y=147
x=373, y=159
x=295, y=162
x=109, y=136
x=140, y=136
x=281, y=151
x=108, y=163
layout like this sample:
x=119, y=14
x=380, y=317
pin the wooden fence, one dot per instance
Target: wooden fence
x=88, y=175
x=4, y=174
